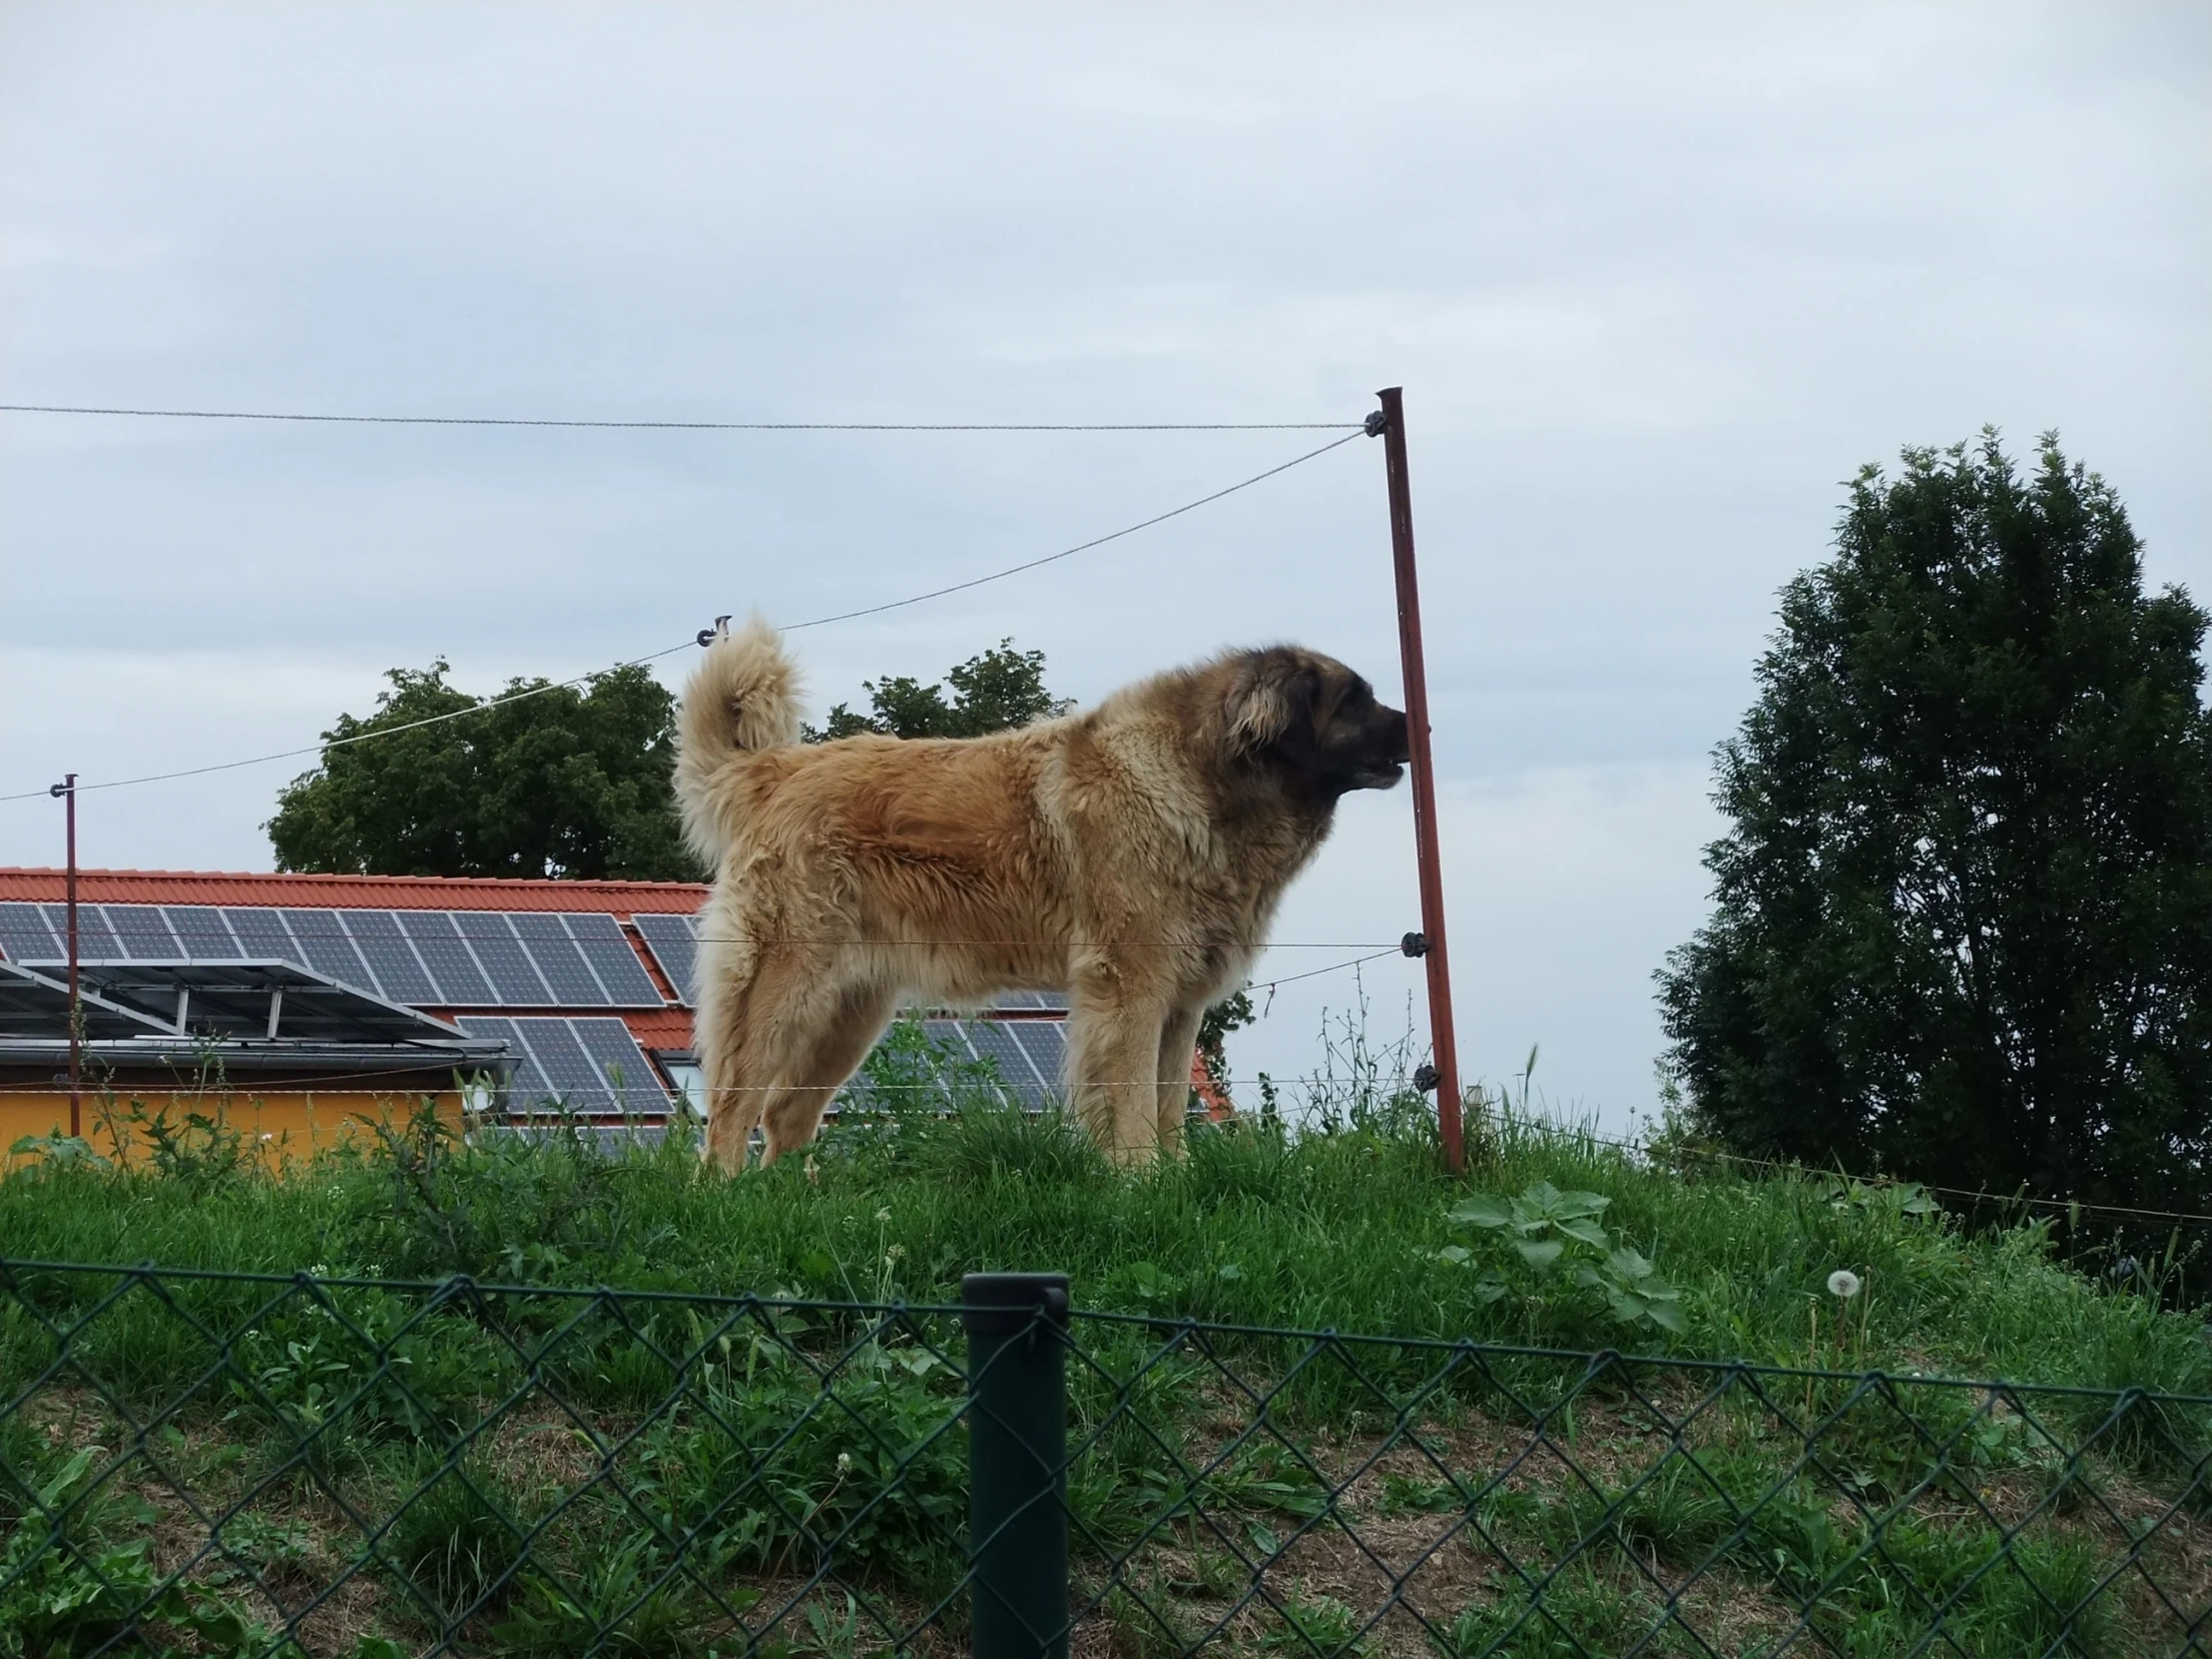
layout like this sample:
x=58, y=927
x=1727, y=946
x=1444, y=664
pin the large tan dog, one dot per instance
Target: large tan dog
x=1131, y=856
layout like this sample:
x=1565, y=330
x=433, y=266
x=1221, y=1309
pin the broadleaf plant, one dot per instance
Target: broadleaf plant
x=1560, y=1240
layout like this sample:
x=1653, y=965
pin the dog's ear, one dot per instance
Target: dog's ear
x=1273, y=699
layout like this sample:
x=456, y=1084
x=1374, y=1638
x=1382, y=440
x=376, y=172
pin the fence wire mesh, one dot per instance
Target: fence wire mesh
x=209, y=1462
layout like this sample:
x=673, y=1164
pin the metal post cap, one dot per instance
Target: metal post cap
x=1001, y=1304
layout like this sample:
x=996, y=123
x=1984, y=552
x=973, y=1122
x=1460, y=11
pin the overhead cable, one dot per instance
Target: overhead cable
x=653, y=656
x=694, y=425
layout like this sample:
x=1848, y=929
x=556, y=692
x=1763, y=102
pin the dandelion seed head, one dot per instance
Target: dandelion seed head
x=1843, y=1282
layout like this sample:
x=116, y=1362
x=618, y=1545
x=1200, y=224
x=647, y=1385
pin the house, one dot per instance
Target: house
x=296, y=1004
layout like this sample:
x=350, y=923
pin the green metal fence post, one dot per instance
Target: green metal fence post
x=1016, y=1327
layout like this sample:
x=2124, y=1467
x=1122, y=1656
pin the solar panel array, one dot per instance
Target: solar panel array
x=673, y=939
x=422, y=958
x=1027, y=1056
x=587, y=1066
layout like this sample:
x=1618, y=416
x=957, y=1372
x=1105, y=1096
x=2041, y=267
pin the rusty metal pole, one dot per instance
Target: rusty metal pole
x=1391, y=424
x=67, y=789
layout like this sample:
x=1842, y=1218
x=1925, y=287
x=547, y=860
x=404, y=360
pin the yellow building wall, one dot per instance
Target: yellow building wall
x=282, y=1125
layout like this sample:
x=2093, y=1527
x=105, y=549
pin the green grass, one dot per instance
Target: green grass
x=1324, y=1230
x=475, y=1444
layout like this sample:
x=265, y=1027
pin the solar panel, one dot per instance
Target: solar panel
x=671, y=940
x=256, y=999
x=437, y=939
x=527, y=1089
x=995, y=1043
x=202, y=932
x=96, y=941
x=328, y=952
x=25, y=936
x=566, y=975
x=264, y=934
x=504, y=961
x=605, y=947
x=36, y=1005
x=1045, y=1042
x=1029, y=1002
x=145, y=937
x=950, y=1034
x=628, y=1072
x=397, y=968
x=576, y=1083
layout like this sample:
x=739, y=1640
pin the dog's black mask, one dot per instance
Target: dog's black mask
x=1347, y=740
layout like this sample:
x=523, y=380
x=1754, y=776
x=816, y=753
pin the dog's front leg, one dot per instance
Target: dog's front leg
x=1178, y=1042
x=1115, y=1022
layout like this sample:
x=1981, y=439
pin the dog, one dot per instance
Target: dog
x=1131, y=856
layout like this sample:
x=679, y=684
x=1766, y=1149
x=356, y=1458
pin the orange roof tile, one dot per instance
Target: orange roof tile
x=664, y=1028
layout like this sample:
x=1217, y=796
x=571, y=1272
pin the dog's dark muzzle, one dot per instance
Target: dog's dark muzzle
x=1388, y=748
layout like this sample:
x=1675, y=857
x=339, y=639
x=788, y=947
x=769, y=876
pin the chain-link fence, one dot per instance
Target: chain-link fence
x=209, y=1462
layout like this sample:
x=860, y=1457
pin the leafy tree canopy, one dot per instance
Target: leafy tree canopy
x=1962, y=920
x=999, y=689
x=562, y=783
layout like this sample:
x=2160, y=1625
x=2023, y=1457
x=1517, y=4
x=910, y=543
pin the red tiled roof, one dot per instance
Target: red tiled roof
x=664, y=1028
x=381, y=892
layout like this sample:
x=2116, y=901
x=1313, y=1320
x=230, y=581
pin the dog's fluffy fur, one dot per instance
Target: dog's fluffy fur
x=1131, y=856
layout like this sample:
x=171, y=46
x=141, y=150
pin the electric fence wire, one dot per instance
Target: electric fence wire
x=655, y=656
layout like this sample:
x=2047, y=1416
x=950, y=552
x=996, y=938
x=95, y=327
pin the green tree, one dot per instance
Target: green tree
x=561, y=782
x=999, y=689
x=1963, y=923
x=1230, y=1013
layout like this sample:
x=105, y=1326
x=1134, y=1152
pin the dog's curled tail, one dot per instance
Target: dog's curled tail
x=742, y=697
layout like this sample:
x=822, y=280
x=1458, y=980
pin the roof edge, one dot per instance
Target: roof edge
x=47, y=884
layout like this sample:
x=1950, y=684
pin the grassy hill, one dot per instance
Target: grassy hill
x=539, y=1473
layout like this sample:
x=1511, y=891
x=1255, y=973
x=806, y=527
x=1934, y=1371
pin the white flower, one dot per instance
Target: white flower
x=885, y=1215
x=1843, y=1282
x=844, y=1462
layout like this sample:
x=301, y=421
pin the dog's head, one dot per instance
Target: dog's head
x=1316, y=719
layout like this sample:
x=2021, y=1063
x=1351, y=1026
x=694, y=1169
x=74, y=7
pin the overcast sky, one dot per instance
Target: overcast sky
x=1656, y=280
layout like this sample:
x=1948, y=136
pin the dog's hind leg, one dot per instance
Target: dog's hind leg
x=837, y=1046
x=753, y=1027
x=1178, y=1042
x=735, y=1097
